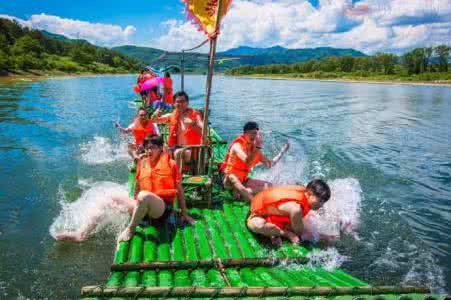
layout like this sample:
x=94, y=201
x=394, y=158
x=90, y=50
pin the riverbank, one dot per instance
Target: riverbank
x=39, y=75
x=371, y=80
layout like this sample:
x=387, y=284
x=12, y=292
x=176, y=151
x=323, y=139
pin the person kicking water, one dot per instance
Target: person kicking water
x=279, y=210
x=157, y=183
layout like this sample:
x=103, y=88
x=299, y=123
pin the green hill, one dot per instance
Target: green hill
x=242, y=56
x=28, y=51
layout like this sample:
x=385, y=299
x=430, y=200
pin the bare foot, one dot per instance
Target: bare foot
x=71, y=236
x=276, y=240
x=126, y=235
x=292, y=237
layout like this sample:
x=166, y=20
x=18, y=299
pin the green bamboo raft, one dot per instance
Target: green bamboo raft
x=218, y=257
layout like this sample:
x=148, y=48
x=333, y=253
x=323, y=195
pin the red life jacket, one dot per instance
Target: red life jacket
x=234, y=165
x=141, y=132
x=274, y=197
x=157, y=179
x=167, y=87
x=191, y=135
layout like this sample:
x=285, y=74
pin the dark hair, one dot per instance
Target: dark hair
x=166, y=74
x=320, y=189
x=154, y=140
x=250, y=126
x=142, y=108
x=181, y=94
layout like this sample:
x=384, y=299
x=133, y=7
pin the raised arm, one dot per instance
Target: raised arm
x=276, y=158
x=247, y=158
x=123, y=130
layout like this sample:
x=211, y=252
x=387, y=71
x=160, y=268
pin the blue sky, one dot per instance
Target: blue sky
x=366, y=25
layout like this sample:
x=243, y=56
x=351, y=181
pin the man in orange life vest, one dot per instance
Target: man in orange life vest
x=185, y=125
x=141, y=127
x=157, y=183
x=243, y=154
x=278, y=211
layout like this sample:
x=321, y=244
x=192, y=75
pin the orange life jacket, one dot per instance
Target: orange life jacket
x=141, y=132
x=275, y=196
x=191, y=135
x=234, y=165
x=153, y=96
x=157, y=179
x=167, y=86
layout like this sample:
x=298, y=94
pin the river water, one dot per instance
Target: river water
x=384, y=149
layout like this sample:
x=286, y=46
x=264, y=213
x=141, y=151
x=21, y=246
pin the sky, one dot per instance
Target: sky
x=367, y=25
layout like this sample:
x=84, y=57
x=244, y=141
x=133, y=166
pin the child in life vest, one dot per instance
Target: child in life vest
x=279, y=211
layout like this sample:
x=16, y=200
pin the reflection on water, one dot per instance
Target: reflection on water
x=384, y=149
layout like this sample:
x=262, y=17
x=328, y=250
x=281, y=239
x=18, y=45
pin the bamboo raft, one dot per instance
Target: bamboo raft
x=218, y=257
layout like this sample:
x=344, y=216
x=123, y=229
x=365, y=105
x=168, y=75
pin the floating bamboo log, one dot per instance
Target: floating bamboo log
x=226, y=263
x=96, y=291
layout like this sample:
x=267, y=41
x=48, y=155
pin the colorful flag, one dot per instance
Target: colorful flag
x=204, y=13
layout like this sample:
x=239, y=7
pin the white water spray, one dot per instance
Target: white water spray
x=95, y=206
x=101, y=151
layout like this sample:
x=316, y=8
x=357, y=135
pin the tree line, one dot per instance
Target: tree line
x=24, y=49
x=417, y=61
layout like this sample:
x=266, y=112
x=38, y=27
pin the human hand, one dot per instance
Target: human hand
x=258, y=140
x=188, y=219
x=188, y=121
x=294, y=238
x=286, y=146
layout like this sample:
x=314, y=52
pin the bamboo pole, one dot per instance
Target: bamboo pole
x=211, y=65
x=182, y=63
x=208, y=263
x=96, y=291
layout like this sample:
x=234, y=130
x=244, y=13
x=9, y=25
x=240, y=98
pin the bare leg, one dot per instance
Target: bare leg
x=80, y=235
x=260, y=226
x=232, y=182
x=257, y=185
x=147, y=203
x=125, y=201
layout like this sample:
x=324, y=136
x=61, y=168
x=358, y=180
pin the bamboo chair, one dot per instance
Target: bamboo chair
x=197, y=177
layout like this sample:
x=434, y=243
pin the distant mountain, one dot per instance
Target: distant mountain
x=144, y=54
x=281, y=55
x=246, y=55
x=245, y=50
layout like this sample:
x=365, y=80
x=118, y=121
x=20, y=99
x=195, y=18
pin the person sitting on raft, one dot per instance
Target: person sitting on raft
x=141, y=127
x=278, y=211
x=158, y=181
x=243, y=154
x=185, y=125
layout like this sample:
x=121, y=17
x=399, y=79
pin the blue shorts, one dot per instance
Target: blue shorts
x=161, y=104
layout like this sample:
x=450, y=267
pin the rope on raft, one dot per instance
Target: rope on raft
x=99, y=291
x=226, y=263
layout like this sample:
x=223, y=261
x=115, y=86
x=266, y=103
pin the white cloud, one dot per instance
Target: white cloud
x=369, y=25
x=96, y=33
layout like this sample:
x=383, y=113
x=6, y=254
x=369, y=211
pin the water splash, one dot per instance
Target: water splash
x=422, y=268
x=328, y=259
x=341, y=214
x=101, y=151
x=95, y=205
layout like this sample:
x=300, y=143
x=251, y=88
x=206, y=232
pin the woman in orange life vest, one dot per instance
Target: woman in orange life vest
x=278, y=211
x=185, y=125
x=243, y=154
x=157, y=183
x=141, y=127
x=167, y=89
